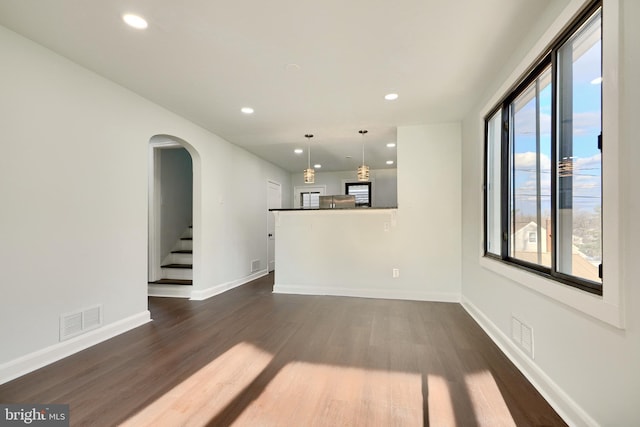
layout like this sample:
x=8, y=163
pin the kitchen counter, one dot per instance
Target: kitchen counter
x=331, y=209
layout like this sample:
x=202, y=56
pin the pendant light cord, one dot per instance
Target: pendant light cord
x=363, y=132
x=309, y=136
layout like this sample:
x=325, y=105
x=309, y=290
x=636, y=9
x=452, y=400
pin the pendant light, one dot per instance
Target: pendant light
x=363, y=170
x=309, y=173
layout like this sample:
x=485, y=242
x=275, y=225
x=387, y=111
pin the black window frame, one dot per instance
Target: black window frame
x=547, y=59
x=357, y=184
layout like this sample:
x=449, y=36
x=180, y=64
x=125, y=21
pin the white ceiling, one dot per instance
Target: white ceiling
x=205, y=59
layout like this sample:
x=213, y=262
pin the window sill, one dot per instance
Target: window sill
x=593, y=305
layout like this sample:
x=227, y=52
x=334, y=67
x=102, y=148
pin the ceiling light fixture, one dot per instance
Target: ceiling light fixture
x=389, y=162
x=391, y=144
x=309, y=173
x=135, y=21
x=298, y=151
x=317, y=166
x=247, y=110
x=363, y=170
x=391, y=96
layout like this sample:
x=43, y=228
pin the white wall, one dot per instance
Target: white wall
x=384, y=184
x=73, y=223
x=588, y=368
x=429, y=188
x=176, y=213
x=350, y=253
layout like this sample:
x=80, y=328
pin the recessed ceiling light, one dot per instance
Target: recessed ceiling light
x=317, y=166
x=389, y=162
x=596, y=81
x=391, y=96
x=135, y=21
x=247, y=110
x=391, y=144
x=298, y=151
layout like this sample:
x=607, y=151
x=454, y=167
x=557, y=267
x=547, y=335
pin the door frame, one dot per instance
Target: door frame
x=269, y=182
x=155, y=201
x=155, y=204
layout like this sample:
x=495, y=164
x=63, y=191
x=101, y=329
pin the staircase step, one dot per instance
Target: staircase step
x=183, y=258
x=183, y=266
x=182, y=251
x=172, y=282
x=177, y=273
x=183, y=245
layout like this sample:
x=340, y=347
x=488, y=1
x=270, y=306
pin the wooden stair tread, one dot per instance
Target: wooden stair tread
x=185, y=266
x=183, y=251
x=172, y=282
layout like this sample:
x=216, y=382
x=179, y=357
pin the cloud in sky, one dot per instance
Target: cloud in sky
x=585, y=123
x=586, y=181
x=588, y=163
x=526, y=122
x=528, y=160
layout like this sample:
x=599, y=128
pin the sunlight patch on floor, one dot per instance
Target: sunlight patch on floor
x=337, y=396
x=487, y=400
x=439, y=402
x=207, y=392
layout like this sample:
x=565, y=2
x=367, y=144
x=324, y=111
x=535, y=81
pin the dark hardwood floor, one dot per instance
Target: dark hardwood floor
x=249, y=357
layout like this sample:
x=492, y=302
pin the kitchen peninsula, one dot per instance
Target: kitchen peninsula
x=339, y=251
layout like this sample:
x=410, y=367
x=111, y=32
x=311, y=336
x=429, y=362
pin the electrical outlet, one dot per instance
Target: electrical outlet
x=396, y=273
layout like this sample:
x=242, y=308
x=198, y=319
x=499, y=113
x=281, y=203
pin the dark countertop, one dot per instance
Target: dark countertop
x=331, y=209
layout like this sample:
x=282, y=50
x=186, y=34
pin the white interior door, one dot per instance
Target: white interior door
x=274, y=201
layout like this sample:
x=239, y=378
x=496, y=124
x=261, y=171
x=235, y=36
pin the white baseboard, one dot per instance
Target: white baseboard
x=36, y=360
x=170, y=291
x=199, y=295
x=368, y=293
x=572, y=413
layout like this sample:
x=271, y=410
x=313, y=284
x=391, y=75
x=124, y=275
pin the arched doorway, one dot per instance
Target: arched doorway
x=173, y=217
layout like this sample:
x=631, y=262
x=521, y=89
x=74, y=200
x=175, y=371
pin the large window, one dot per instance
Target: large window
x=310, y=200
x=543, y=166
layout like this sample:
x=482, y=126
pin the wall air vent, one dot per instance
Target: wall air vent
x=76, y=323
x=255, y=265
x=522, y=335
x=70, y=325
x=92, y=318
